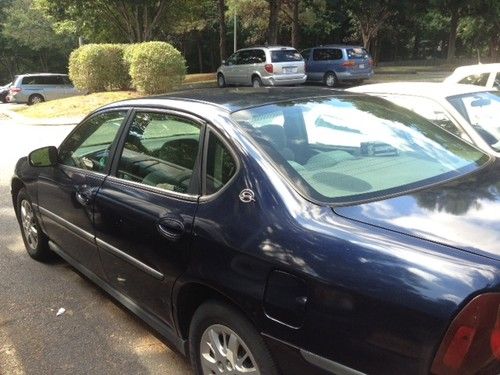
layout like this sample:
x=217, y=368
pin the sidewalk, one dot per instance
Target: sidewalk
x=13, y=116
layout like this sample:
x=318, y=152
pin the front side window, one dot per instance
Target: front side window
x=481, y=110
x=476, y=79
x=89, y=145
x=233, y=59
x=343, y=149
x=429, y=109
x=161, y=151
x=220, y=165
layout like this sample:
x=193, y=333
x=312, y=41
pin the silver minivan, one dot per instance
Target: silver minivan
x=263, y=66
x=39, y=87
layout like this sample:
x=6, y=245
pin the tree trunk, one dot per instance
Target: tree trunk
x=453, y=34
x=200, y=54
x=272, y=28
x=221, y=6
x=295, y=24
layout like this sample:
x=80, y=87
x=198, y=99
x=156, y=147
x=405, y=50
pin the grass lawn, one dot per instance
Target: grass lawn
x=75, y=106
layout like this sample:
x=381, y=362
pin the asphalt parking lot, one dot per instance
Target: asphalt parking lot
x=94, y=335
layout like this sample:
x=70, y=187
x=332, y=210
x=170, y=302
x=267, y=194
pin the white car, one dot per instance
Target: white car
x=468, y=111
x=487, y=75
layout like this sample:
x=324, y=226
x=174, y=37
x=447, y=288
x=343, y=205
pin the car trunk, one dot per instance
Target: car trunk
x=287, y=63
x=463, y=213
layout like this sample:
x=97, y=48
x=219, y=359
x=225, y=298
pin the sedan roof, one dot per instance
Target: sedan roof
x=429, y=89
x=234, y=99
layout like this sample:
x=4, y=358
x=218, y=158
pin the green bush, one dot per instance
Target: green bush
x=99, y=67
x=154, y=67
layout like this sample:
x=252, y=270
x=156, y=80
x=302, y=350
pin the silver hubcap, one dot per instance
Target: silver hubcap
x=29, y=224
x=224, y=352
x=36, y=100
x=256, y=83
x=330, y=80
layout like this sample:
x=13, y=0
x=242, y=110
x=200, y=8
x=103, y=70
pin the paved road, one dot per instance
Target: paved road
x=94, y=335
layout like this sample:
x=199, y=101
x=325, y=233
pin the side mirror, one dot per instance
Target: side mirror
x=43, y=157
x=224, y=62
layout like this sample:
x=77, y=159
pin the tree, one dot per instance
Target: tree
x=370, y=16
x=221, y=8
x=291, y=11
x=272, y=27
x=136, y=20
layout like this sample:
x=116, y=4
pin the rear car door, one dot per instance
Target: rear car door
x=66, y=192
x=144, y=212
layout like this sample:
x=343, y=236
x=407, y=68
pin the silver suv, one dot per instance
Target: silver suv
x=263, y=66
x=36, y=88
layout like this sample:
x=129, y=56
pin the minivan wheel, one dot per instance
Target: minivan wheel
x=256, y=82
x=221, y=81
x=35, y=99
x=34, y=239
x=330, y=79
x=223, y=341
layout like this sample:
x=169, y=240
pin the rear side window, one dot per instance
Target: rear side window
x=220, y=165
x=160, y=150
x=285, y=55
x=357, y=53
x=43, y=80
x=255, y=56
x=323, y=54
x=476, y=79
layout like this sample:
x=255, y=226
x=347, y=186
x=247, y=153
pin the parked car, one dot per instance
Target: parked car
x=487, y=75
x=279, y=230
x=470, y=112
x=334, y=64
x=37, y=88
x=4, y=90
x=262, y=66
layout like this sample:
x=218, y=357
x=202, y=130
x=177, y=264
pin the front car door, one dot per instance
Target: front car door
x=66, y=191
x=145, y=211
x=230, y=67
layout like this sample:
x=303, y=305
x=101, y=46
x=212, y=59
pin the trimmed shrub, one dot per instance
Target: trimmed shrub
x=99, y=67
x=154, y=67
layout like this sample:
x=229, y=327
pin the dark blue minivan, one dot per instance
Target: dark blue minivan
x=333, y=64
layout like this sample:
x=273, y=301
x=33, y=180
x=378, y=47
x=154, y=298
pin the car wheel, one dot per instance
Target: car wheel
x=221, y=81
x=35, y=99
x=256, y=82
x=223, y=341
x=34, y=239
x=330, y=79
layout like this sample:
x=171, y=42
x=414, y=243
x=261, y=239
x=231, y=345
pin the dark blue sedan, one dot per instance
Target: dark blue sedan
x=280, y=231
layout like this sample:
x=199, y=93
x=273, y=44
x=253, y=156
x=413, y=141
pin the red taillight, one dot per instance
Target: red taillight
x=269, y=68
x=349, y=64
x=472, y=342
x=14, y=90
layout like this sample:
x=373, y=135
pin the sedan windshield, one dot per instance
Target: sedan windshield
x=481, y=110
x=344, y=149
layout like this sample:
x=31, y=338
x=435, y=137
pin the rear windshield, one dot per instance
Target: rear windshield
x=285, y=55
x=346, y=149
x=357, y=53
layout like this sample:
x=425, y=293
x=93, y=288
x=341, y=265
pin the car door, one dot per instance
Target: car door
x=66, y=191
x=319, y=64
x=145, y=210
x=230, y=69
x=69, y=88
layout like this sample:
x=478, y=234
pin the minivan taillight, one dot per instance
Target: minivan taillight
x=349, y=64
x=14, y=90
x=472, y=343
x=269, y=68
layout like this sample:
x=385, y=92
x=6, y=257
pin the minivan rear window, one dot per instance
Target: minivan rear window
x=357, y=53
x=285, y=55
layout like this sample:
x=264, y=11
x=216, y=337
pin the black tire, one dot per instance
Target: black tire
x=221, y=81
x=35, y=98
x=330, y=79
x=256, y=82
x=221, y=314
x=40, y=250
